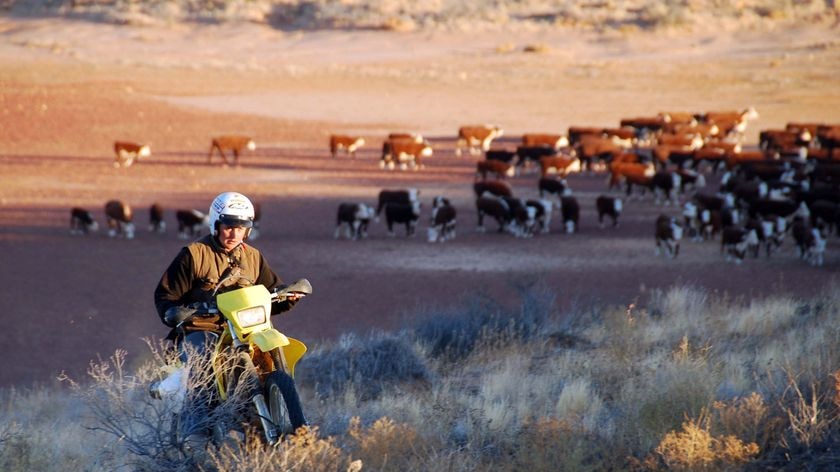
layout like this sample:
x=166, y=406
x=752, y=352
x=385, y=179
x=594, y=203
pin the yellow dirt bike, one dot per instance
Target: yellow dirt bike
x=250, y=354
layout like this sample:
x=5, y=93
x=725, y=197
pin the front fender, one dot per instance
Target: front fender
x=269, y=339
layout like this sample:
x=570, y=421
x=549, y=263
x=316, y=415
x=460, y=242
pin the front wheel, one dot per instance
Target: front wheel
x=283, y=403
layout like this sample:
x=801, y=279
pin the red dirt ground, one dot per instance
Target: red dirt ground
x=66, y=97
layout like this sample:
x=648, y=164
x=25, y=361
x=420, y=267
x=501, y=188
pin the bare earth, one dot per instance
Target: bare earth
x=68, y=90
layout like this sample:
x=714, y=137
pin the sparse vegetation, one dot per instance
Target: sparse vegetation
x=685, y=382
x=406, y=15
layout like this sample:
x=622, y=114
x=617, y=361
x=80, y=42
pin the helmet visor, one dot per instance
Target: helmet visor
x=233, y=221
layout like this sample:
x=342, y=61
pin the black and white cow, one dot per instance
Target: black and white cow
x=402, y=213
x=401, y=196
x=495, y=207
x=557, y=187
x=119, y=217
x=442, y=221
x=82, y=222
x=770, y=233
x=543, y=209
x=810, y=243
x=666, y=186
x=668, y=234
x=524, y=217
x=736, y=241
x=156, y=222
x=570, y=211
x=190, y=223
x=355, y=217
x=608, y=206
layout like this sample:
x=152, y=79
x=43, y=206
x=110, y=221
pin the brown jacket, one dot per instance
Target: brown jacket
x=197, y=269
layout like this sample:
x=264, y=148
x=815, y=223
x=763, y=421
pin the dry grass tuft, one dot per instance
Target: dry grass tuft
x=694, y=448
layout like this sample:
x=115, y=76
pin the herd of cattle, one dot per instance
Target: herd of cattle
x=788, y=184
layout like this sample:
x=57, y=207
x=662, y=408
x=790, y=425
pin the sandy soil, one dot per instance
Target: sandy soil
x=70, y=89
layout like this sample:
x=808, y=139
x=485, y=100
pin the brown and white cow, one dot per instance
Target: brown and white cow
x=559, y=165
x=119, y=217
x=736, y=241
x=406, y=152
x=497, y=168
x=499, y=188
x=555, y=141
x=190, y=223
x=731, y=124
x=234, y=144
x=348, y=144
x=553, y=186
x=355, y=217
x=667, y=234
x=809, y=241
x=631, y=173
x=125, y=153
x=476, y=138
x=495, y=207
x=156, y=221
x=82, y=222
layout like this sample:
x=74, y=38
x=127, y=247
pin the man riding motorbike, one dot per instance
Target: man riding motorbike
x=221, y=259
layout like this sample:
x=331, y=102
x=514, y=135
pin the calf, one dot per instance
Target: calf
x=608, y=206
x=442, y=222
x=156, y=222
x=570, y=212
x=542, y=213
x=668, y=234
x=524, y=217
x=498, y=188
x=405, y=152
x=234, y=144
x=348, y=144
x=356, y=217
x=125, y=153
x=190, y=223
x=736, y=241
x=404, y=213
x=119, y=217
x=498, y=168
x=666, y=185
x=402, y=196
x=476, y=138
x=81, y=221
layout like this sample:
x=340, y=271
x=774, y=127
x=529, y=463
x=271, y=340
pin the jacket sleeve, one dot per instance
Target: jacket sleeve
x=271, y=281
x=175, y=284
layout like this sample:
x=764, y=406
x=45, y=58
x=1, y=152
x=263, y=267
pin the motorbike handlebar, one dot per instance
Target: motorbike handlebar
x=298, y=289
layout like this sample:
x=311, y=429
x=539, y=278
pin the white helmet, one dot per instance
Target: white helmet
x=231, y=209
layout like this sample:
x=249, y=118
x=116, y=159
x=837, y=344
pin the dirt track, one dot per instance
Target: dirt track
x=62, y=106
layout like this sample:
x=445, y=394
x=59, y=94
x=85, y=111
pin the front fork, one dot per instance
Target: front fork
x=269, y=430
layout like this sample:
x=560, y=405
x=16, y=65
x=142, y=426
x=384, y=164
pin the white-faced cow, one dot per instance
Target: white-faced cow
x=406, y=152
x=553, y=186
x=82, y=222
x=355, y=217
x=559, y=165
x=495, y=207
x=401, y=196
x=119, y=217
x=543, y=210
x=403, y=213
x=442, y=222
x=125, y=153
x=476, y=138
x=668, y=234
x=555, y=141
x=735, y=241
x=156, y=221
x=497, y=168
x=608, y=206
x=348, y=144
x=190, y=223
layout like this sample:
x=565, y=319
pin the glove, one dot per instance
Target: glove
x=177, y=314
